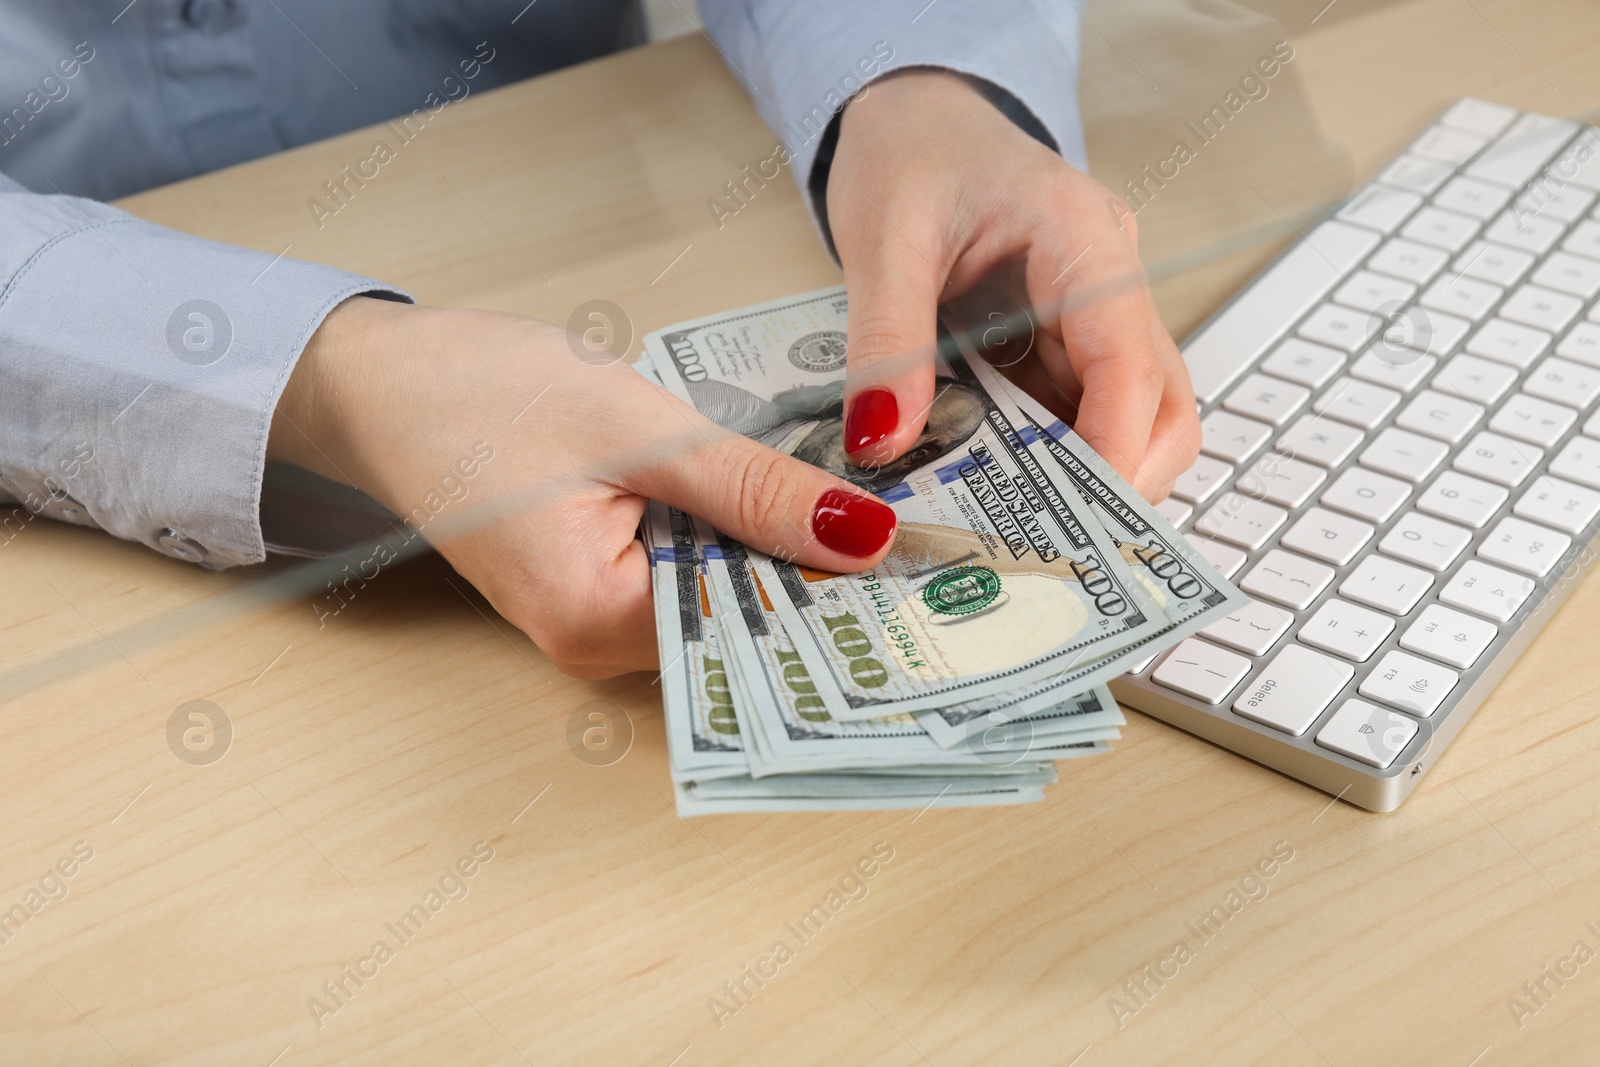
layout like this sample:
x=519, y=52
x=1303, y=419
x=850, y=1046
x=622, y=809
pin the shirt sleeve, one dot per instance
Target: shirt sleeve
x=139, y=370
x=801, y=64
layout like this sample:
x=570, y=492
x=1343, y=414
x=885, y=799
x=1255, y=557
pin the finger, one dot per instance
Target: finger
x=1175, y=434
x=772, y=502
x=1049, y=377
x=1107, y=325
x=574, y=579
x=894, y=288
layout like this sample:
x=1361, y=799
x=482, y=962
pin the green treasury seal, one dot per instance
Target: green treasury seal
x=962, y=590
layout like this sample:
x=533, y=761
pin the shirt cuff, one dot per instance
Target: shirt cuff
x=139, y=371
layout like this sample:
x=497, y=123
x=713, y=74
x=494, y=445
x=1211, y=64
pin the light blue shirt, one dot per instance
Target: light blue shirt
x=140, y=367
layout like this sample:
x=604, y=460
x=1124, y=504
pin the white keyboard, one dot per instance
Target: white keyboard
x=1401, y=458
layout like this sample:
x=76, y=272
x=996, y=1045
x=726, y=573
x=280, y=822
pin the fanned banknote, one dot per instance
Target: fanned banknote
x=703, y=704
x=1025, y=574
x=995, y=580
x=789, y=728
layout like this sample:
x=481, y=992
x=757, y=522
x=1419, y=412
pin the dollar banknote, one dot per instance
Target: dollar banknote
x=789, y=728
x=1188, y=588
x=709, y=744
x=702, y=729
x=995, y=580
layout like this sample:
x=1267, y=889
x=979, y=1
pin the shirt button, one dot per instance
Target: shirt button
x=178, y=546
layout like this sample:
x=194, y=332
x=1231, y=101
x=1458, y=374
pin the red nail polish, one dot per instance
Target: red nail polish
x=874, y=413
x=851, y=523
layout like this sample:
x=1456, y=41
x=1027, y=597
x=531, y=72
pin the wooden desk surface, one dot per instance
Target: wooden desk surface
x=370, y=756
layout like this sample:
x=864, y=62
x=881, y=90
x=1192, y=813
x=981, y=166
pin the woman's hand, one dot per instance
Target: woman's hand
x=391, y=398
x=931, y=190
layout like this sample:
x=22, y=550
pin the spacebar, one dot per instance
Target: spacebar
x=1225, y=346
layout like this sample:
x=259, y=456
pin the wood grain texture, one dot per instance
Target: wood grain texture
x=369, y=755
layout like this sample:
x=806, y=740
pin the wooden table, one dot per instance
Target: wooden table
x=370, y=757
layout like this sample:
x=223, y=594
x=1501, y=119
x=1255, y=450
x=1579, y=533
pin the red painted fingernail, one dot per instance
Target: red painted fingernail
x=874, y=413
x=851, y=523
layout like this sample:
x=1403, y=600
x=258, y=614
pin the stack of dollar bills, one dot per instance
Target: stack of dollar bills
x=1024, y=574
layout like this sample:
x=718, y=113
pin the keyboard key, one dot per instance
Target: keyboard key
x=1380, y=582
x=1138, y=668
x=1416, y=173
x=1435, y=332
x=1404, y=454
x=1499, y=459
x=1451, y=146
x=1544, y=199
x=1370, y=291
x=1449, y=636
x=1558, y=503
x=1367, y=733
x=1319, y=440
x=1201, y=480
x=1577, y=163
x=1338, y=327
x=1401, y=369
x=1493, y=263
x=1411, y=684
x=1584, y=240
x=1462, y=499
x=1225, y=558
x=1535, y=421
x=1259, y=315
x=1304, y=362
x=1524, y=546
x=1380, y=207
x=1487, y=591
x=1481, y=381
x=1425, y=541
x=1346, y=630
x=1287, y=579
x=1545, y=309
x=1356, y=402
x=1266, y=399
x=1527, y=232
x=1564, y=382
x=1567, y=273
x=1252, y=629
x=1444, y=417
x=1478, y=116
x=1442, y=229
x=1467, y=297
x=1366, y=494
x=1232, y=437
x=1280, y=480
x=1408, y=260
x=1201, y=670
x=1241, y=521
x=1582, y=345
x=1472, y=197
x=1509, y=343
x=1327, y=535
x=1579, y=461
x=1525, y=147
x=1174, y=511
x=1293, y=689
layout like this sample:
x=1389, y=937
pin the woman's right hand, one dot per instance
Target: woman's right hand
x=392, y=398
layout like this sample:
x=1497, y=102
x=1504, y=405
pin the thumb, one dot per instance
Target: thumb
x=894, y=306
x=773, y=502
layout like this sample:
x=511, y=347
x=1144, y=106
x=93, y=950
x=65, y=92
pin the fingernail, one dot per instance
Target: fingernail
x=874, y=413
x=851, y=523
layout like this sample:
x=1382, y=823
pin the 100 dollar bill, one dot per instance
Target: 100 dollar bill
x=995, y=579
